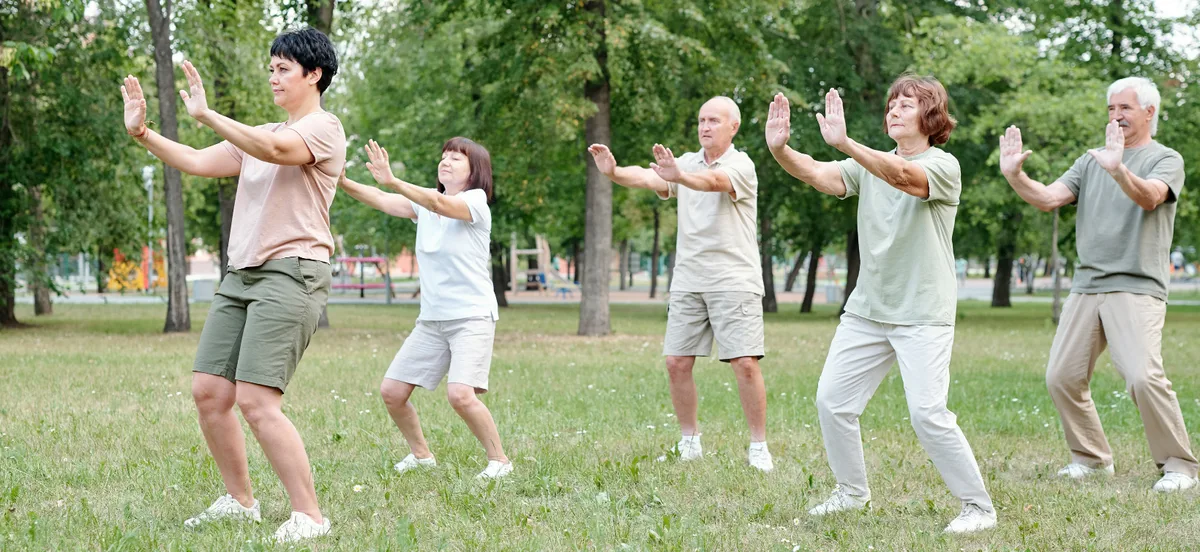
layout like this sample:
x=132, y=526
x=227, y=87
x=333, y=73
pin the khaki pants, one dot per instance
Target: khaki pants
x=860, y=356
x=1131, y=325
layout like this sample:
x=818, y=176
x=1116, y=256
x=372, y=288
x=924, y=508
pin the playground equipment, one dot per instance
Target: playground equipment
x=545, y=278
x=381, y=265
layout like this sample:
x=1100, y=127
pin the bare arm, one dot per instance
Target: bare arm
x=1012, y=157
x=432, y=200
x=629, y=177
x=906, y=176
x=825, y=177
x=1147, y=193
x=277, y=148
x=392, y=204
x=667, y=170
x=210, y=162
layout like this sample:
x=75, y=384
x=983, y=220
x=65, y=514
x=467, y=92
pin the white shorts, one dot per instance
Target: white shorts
x=461, y=348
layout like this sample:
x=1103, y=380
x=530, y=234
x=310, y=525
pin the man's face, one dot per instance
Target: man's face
x=715, y=125
x=1134, y=119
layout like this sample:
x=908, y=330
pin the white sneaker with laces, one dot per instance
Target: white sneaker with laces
x=301, y=527
x=411, y=462
x=495, y=470
x=973, y=518
x=840, y=500
x=1075, y=470
x=225, y=508
x=760, y=458
x=1174, y=481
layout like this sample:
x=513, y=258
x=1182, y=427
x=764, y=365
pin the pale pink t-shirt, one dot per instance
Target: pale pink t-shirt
x=283, y=210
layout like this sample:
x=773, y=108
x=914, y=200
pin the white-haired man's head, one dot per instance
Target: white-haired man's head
x=1134, y=102
x=717, y=124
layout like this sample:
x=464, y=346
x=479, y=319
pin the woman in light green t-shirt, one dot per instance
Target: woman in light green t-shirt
x=903, y=307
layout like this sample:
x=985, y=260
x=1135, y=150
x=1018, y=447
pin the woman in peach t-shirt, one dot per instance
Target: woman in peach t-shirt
x=278, y=277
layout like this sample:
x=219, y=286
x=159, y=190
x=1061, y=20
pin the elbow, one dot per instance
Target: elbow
x=1045, y=207
x=1148, y=204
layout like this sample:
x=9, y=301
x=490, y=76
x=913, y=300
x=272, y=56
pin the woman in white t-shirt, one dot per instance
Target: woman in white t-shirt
x=455, y=329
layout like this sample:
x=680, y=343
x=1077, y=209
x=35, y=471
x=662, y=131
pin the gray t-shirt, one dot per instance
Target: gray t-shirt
x=716, y=248
x=906, y=245
x=1122, y=247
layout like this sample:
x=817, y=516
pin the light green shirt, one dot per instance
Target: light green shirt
x=716, y=247
x=906, y=276
x=1122, y=247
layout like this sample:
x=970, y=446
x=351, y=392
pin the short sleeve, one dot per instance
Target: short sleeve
x=672, y=191
x=233, y=150
x=481, y=214
x=944, y=177
x=740, y=171
x=852, y=173
x=1073, y=178
x=1169, y=169
x=323, y=134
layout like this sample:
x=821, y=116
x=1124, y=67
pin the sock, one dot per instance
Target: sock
x=761, y=445
x=691, y=438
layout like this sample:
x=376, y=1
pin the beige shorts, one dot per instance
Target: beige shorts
x=735, y=318
x=461, y=348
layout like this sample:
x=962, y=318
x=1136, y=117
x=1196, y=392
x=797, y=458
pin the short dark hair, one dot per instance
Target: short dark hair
x=933, y=101
x=478, y=158
x=312, y=50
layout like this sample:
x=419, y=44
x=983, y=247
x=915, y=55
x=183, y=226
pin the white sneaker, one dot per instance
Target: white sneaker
x=225, y=508
x=495, y=470
x=760, y=458
x=689, y=449
x=840, y=501
x=973, y=518
x=1174, y=481
x=1075, y=470
x=301, y=527
x=411, y=462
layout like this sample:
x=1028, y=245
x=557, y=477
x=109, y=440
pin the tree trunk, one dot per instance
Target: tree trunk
x=573, y=272
x=654, y=257
x=987, y=268
x=769, y=302
x=790, y=283
x=320, y=16
x=8, y=240
x=1030, y=275
x=852, y=264
x=178, y=317
x=39, y=272
x=1001, y=296
x=597, y=241
x=810, y=285
x=499, y=274
x=623, y=265
x=101, y=275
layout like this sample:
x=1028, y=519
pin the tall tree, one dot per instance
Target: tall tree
x=178, y=316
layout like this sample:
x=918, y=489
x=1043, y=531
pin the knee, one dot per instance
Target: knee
x=744, y=368
x=254, y=408
x=678, y=367
x=210, y=396
x=827, y=403
x=394, y=393
x=461, y=397
x=932, y=421
x=1142, y=383
x=1058, y=384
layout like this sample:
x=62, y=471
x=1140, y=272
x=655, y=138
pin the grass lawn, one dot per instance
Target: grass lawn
x=100, y=450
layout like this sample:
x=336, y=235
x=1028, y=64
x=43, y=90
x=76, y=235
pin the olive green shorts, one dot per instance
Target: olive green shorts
x=261, y=320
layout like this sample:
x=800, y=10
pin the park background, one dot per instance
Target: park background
x=107, y=257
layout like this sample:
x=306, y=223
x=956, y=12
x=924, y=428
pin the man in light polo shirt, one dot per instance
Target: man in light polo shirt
x=1126, y=194
x=717, y=289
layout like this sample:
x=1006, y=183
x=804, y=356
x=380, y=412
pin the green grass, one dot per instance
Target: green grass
x=99, y=447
